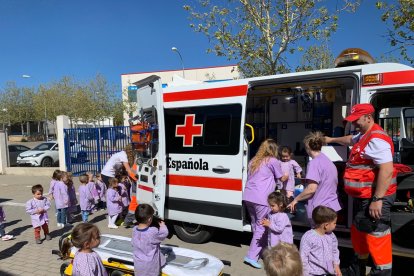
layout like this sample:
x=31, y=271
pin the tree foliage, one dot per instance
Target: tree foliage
x=400, y=14
x=260, y=33
x=316, y=58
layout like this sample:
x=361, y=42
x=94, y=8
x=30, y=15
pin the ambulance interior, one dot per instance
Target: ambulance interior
x=288, y=111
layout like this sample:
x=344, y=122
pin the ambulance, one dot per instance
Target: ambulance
x=195, y=141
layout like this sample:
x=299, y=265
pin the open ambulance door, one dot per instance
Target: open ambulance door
x=406, y=139
x=149, y=141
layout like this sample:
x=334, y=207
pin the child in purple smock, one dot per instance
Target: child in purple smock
x=37, y=208
x=85, y=197
x=73, y=202
x=263, y=171
x=290, y=168
x=3, y=235
x=85, y=237
x=61, y=196
x=146, y=239
x=57, y=174
x=113, y=202
x=100, y=187
x=92, y=188
x=321, y=177
x=319, y=246
x=124, y=186
x=278, y=222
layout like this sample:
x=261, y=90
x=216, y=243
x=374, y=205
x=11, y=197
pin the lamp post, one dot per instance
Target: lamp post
x=174, y=49
x=4, y=117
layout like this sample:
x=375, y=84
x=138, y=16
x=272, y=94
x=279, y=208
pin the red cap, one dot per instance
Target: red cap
x=358, y=110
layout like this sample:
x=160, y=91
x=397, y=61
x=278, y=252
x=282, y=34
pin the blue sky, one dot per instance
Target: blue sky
x=80, y=38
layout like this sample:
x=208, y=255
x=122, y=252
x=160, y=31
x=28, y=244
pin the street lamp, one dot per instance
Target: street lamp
x=4, y=117
x=174, y=49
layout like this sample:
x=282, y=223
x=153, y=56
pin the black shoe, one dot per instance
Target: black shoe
x=128, y=225
x=48, y=237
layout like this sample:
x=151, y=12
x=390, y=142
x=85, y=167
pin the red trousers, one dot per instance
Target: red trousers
x=45, y=228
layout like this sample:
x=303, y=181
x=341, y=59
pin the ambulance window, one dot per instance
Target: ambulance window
x=221, y=126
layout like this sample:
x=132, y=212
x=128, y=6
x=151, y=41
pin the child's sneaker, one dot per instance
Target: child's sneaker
x=7, y=237
x=48, y=237
x=253, y=263
x=38, y=241
x=112, y=226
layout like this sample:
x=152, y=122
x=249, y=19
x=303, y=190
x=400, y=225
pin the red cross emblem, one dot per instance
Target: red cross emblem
x=189, y=130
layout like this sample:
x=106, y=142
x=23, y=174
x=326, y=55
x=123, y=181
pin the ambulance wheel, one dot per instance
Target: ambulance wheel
x=63, y=268
x=193, y=233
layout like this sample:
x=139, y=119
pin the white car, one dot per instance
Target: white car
x=44, y=155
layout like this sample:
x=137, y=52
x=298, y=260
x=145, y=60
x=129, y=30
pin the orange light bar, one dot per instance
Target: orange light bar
x=372, y=79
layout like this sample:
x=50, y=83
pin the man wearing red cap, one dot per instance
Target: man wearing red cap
x=370, y=179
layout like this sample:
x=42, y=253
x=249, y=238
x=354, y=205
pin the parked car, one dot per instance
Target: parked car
x=14, y=151
x=47, y=154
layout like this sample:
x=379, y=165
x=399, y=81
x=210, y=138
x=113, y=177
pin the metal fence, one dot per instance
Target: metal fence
x=88, y=149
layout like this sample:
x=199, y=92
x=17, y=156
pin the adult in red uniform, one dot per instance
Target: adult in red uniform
x=370, y=179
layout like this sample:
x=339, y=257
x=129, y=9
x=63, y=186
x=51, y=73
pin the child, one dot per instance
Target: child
x=290, y=168
x=85, y=236
x=100, y=187
x=123, y=192
x=73, y=202
x=278, y=222
x=146, y=240
x=85, y=197
x=3, y=235
x=37, y=208
x=113, y=202
x=61, y=196
x=319, y=246
x=57, y=174
x=283, y=260
x=92, y=189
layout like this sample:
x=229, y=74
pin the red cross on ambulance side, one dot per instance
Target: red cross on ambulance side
x=189, y=130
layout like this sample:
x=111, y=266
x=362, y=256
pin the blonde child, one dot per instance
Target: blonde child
x=3, y=235
x=57, y=174
x=146, y=239
x=92, y=188
x=85, y=197
x=61, y=196
x=73, y=202
x=283, y=260
x=319, y=246
x=113, y=202
x=278, y=222
x=100, y=187
x=37, y=208
x=290, y=168
x=85, y=237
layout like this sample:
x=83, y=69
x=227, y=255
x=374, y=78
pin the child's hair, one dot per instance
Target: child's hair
x=55, y=174
x=98, y=174
x=82, y=233
x=36, y=188
x=322, y=214
x=285, y=149
x=283, y=260
x=129, y=149
x=279, y=198
x=83, y=179
x=267, y=149
x=314, y=140
x=143, y=213
x=69, y=175
x=112, y=181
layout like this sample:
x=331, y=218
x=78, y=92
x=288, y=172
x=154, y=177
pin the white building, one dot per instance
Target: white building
x=205, y=74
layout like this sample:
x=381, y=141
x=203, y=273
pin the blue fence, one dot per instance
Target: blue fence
x=88, y=149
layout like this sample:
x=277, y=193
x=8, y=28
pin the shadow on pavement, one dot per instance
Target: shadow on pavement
x=60, y=232
x=4, y=200
x=17, y=231
x=98, y=218
x=4, y=273
x=231, y=237
x=6, y=253
x=10, y=223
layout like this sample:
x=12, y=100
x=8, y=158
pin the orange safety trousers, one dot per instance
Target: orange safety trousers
x=377, y=244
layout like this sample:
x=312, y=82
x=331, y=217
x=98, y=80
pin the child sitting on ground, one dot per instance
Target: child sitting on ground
x=319, y=246
x=278, y=222
x=282, y=260
x=146, y=239
x=85, y=236
x=37, y=208
x=3, y=235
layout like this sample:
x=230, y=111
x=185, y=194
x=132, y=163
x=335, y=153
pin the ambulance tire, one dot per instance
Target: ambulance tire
x=63, y=268
x=193, y=233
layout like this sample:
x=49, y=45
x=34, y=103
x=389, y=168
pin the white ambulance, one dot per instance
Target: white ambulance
x=200, y=138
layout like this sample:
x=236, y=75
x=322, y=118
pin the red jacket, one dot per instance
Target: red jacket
x=361, y=173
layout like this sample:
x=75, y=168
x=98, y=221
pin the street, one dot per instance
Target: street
x=22, y=256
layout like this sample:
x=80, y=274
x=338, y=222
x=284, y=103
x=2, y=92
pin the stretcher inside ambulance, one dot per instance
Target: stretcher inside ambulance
x=194, y=172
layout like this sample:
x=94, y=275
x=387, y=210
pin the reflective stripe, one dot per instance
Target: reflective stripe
x=364, y=184
x=362, y=167
x=381, y=234
x=383, y=267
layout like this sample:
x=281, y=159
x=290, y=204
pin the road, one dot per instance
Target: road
x=23, y=257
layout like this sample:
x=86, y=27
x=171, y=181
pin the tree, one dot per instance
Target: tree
x=260, y=33
x=316, y=58
x=401, y=15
